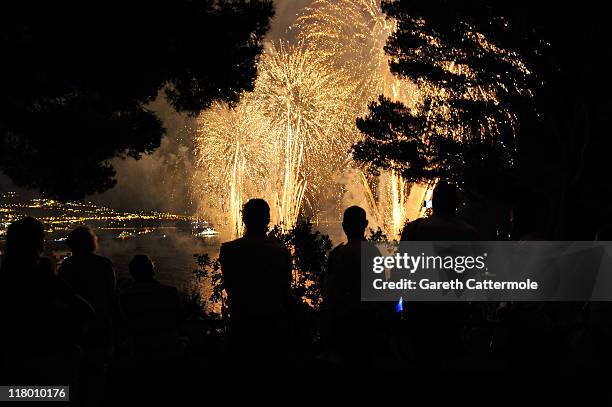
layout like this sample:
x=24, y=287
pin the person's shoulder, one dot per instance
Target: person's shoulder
x=463, y=225
x=127, y=288
x=232, y=244
x=66, y=265
x=276, y=246
x=370, y=248
x=149, y=287
x=341, y=248
x=46, y=267
x=164, y=288
x=410, y=227
x=103, y=260
x=415, y=222
x=270, y=241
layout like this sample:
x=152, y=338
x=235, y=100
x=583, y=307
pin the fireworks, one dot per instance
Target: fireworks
x=232, y=153
x=395, y=201
x=350, y=36
x=304, y=101
x=276, y=143
x=289, y=139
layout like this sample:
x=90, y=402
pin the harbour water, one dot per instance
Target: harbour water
x=170, y=240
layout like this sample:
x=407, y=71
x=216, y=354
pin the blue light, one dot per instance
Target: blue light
x=399, y=307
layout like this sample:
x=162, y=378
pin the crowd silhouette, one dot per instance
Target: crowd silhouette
x=75, y=327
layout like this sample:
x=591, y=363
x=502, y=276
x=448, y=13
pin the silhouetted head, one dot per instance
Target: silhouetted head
x=445, y=199
x=256, y=216
x=354, y=223
x=25, y=239
x=142, y=268
x=82, y=240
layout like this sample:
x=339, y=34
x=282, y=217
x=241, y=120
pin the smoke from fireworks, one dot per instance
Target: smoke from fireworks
x=231, y=151
x=350, y=35
x=276, y=143
x=288, y=140
x=304, y=100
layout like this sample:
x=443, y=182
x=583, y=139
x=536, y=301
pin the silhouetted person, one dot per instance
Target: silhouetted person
x=93, y=278
x=42, y=317
x=342, y=287
x=257, y=274
x=435, y=326
x=532, y=335
x=348, y=324
x=443, y=224
x=152, y=311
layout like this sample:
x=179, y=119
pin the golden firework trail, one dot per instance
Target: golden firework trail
x=350, y=35
x=231, y=160
x=288, y=140
x=289, y=202
x=282, y=142
x=304, y=100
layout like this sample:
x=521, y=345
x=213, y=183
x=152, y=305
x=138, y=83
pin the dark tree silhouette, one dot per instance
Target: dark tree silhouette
x=566, y=156
x=77, y=78
x=561, y=153
x=473, y=68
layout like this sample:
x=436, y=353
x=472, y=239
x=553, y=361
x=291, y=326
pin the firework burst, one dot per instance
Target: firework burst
x=288, y=140
x=350, y=35
x=231, y=157
x=277, y=142
x=305, y=101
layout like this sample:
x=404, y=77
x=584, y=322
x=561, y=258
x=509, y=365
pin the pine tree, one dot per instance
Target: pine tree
x=472, y=68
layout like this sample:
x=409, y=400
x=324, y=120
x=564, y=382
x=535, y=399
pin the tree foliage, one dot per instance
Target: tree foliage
x=469, y=65
x=77, y=78
x=309, y=250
